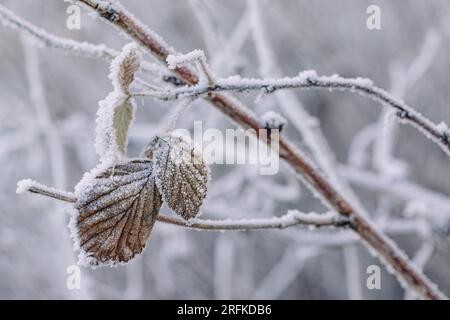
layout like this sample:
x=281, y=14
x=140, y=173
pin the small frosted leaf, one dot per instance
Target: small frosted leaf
x=117, y=110
x=124, y=66
x=123, y=115
x=181, y=174
x=115, y=213
x=115, y=115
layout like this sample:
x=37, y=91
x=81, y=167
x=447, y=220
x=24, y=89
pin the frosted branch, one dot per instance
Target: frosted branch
x=292, y=218
x=85, y=49
x=28, y=185
x=79, y=48
x=406, y=191
x=403, y=81
x=309, y=79
x=38, y=99
x=196, y=57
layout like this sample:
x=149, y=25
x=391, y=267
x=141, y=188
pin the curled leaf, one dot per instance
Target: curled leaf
x=124, y=66
x=115, y=213
x=180, y=174
x=116, y=111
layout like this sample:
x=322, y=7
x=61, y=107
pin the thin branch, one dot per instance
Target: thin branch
x=212, y=38
x=44, y=118
x=196, y=57
x=394, y=227
x=290, y=219
x=28, y=185
x=228, y=59
x=402, y=81
x=387, y=251
x=83, y=49
x=309, y=79
x=438, y=204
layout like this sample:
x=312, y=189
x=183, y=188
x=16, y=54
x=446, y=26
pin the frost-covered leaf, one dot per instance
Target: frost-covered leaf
x=124, y=66
x=181, y=174
x=116, y=111
x=115, y=212
x=115, y=115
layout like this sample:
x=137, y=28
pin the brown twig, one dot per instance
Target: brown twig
x=388, y=252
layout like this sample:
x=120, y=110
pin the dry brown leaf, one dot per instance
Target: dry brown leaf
x=116, y=212
x=124, y=67
x=181, y=174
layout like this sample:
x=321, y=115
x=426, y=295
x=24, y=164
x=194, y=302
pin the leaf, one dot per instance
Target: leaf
x=116, y=211
x=115, y=115
x=124, y=67
x=123, y=116
x=117, y=110
x=181, y=174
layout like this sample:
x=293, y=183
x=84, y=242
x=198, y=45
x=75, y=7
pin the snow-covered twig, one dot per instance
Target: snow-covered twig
x=228, y=59
x=196, y=57
x=437, y=203
x=384, y=146
x=290, y=219
x=310, y=79
x=83, y=49
x=39, y=102
x=9, y=19
x=210, y=33
x=28, y=185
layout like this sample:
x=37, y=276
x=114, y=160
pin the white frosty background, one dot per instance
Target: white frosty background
x=328, y=36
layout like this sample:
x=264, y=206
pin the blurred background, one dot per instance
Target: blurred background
x=48, y=104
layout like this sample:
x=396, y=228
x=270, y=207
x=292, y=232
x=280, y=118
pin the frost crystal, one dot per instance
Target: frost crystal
x=25, y=185
x=443, y=128
x=115, y=213
x=181, y=174
x=175, y=61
